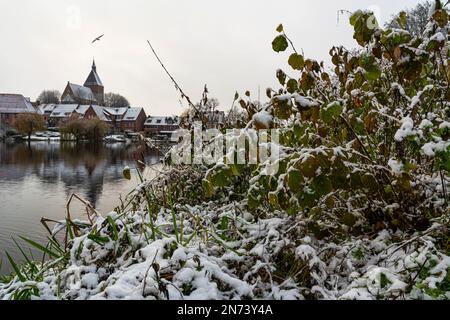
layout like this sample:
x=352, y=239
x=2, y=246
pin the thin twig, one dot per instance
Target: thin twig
x=292, y=44
x=356, y=136
x=177, y=86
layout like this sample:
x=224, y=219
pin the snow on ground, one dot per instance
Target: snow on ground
x=271, y=258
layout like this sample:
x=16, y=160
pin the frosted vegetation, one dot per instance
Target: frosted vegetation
x=359, y=208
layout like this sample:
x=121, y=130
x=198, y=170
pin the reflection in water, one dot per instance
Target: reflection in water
x=37, y=179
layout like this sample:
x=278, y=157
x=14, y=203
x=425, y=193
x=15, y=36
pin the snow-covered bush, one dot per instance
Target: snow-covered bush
x=365, y=148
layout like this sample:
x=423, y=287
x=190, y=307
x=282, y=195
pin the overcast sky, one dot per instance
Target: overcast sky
x=224, y=44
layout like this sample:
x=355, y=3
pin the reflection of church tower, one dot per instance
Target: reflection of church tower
x=94, y=189
x=93, y=81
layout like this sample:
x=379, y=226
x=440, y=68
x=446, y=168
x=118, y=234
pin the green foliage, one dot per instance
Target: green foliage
x=402, y=19
x=365, y=25
x=85, y=129
x=331, y=112
x=340, y=150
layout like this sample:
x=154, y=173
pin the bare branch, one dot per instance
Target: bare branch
x=177, y=86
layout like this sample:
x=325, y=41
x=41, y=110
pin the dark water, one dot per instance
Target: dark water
x=37, y=179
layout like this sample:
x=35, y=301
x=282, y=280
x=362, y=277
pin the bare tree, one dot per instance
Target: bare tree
x=418, y=18
x=49, y=96
x=115, y=100
x=208, y=104
x=90, y=129
x=96, y=129
x=28, y=123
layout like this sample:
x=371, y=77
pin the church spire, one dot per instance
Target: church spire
x=93, y=78
x=95, y=84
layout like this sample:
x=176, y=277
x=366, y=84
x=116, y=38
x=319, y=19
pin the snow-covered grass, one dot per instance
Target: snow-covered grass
x=219, y=251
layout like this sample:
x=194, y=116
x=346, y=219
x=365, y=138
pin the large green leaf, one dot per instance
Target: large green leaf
x=280, y=43
x=295, y=181
x=322, y=185
x=296, y=61
x=373, y=73
x=331, y=112
x=292, y=85
x=221, y=177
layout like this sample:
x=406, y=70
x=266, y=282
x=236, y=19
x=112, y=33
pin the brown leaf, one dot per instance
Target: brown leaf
x=397, y=53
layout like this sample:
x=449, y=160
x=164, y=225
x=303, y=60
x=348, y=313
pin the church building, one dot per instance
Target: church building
x=87, y=102
x=91, y=93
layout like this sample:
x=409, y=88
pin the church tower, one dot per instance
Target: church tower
x=95, y=84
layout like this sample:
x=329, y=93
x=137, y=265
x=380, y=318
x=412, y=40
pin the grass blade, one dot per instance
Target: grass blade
x=69, y=229
x=174, y=218
x=16, y=268
x=56, y=245
x=98, y=239
x=29, y=261
x=114, y=228
x=40, y=247
x=141, y=179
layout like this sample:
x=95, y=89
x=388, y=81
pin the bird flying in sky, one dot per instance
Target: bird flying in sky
x=98, y=38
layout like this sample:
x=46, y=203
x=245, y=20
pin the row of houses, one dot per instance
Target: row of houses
x=124, y=119
x=131, y=119
x=119, y=119
x=56, y=115
x=161, y=125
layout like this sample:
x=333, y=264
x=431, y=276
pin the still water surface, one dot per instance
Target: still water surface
x=37, y=179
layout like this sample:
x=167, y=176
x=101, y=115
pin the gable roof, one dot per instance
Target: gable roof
x=81, y=109
x=66, y=110
x=99, y=111
x=46, y=108
x=15, y=103
x=80, y=92
x=162, y=121
x=132, y=114
x=116, y=111
x=63, y=110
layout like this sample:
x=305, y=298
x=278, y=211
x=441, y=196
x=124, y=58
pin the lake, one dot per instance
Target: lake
x=37, y=179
